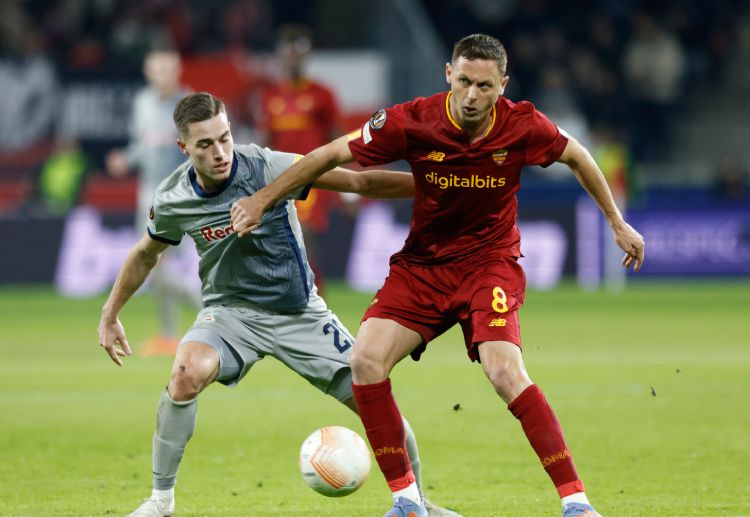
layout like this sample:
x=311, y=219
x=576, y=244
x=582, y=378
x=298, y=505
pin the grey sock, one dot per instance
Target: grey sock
x=175, y=422
x=413, y=451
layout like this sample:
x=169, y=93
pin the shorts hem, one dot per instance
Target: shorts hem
x=337, y=387
x=423, y=331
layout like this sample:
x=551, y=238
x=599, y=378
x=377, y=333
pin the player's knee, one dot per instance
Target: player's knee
x=188, y=379
x=508, y=380
x=367, y=369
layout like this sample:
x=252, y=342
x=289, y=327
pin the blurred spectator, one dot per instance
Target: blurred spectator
x=299, y=114
x=599, y=88
x=27, y=80
x=62, y=175
x=610, y=152
x=138, y=30
x=152, y=148
x=654, y=64
x=153, y=151
x=526, y=61
x=556, y=99
x=731, y=180
x=246, y=24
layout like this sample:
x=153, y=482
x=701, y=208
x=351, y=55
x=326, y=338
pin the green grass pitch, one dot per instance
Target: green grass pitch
x=652, y=388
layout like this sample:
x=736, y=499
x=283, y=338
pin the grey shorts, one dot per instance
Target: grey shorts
x=313, y=343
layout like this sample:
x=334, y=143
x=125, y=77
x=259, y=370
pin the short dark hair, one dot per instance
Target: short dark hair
x=293, y=33
x=481, y=46
x=196, y=107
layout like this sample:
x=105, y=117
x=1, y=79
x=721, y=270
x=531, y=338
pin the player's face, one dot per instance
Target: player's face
x=475, y=86
x=293, y=54
x=162, y=71
x=209, y=145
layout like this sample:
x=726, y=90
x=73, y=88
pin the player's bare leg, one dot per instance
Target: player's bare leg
x=380, y=345
x=196, y=365
x=503, y=364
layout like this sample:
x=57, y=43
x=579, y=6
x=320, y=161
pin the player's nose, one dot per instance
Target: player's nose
x=219, y=154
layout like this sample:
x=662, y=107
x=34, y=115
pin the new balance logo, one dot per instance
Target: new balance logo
x=216, y=234
x=436, y=156
x=497, y=322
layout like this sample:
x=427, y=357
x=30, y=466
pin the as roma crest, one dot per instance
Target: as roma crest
x=499, y=156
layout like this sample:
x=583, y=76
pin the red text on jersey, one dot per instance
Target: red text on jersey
x=216, y=234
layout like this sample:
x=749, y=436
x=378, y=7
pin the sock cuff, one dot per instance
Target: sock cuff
x=571, y=488
x=527, y=397
x=178, y=403
x=370, y=392
x=402, y=482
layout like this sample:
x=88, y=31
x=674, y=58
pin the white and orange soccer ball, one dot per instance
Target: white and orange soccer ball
x=334, y=461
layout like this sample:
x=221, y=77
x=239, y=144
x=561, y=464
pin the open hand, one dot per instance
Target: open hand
x=631, y=242
x=112, y=339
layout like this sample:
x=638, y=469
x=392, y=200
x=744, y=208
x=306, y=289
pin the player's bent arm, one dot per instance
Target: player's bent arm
x=140, y=261
x=590, y=177
x=371, y=183
x=588, y=174
x=246, y=213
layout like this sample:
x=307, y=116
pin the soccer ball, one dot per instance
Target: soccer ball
x=334, y=461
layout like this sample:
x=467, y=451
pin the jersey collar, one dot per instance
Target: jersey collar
x=457, y=126
x=202, y=193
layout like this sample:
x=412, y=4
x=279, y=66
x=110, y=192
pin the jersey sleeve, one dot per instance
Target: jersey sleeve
x=162, y=225
x=278, y=163
x=546, y=143
x=382, y=139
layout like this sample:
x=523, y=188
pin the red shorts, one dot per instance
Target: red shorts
x=483, y=295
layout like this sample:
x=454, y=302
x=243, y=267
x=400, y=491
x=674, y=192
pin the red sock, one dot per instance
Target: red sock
x=546, y=437
x=385, y=431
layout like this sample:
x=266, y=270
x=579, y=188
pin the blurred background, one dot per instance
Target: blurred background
x=657, y=90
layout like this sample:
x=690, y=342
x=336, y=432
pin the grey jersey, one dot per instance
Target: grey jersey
x=267, y=268
x=152, y=147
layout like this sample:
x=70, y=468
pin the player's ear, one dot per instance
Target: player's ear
x=504, y=83
x=448, y=73
x=183, y=148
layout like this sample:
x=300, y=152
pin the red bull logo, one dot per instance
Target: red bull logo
x=216, y=234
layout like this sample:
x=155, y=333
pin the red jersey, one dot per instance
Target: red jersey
x=299, y=117
x=465, y=201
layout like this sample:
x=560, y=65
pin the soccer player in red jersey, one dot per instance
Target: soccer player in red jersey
x=299, y=114
x=466, y=148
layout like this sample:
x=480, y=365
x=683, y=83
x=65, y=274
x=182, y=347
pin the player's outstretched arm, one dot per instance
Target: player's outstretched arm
x=372, y=183
x=246, y=212
x=591, y=178
x=139, y=263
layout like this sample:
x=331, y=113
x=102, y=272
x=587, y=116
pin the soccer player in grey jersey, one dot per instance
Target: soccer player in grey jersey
x=258, y=293
x=152, y=152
